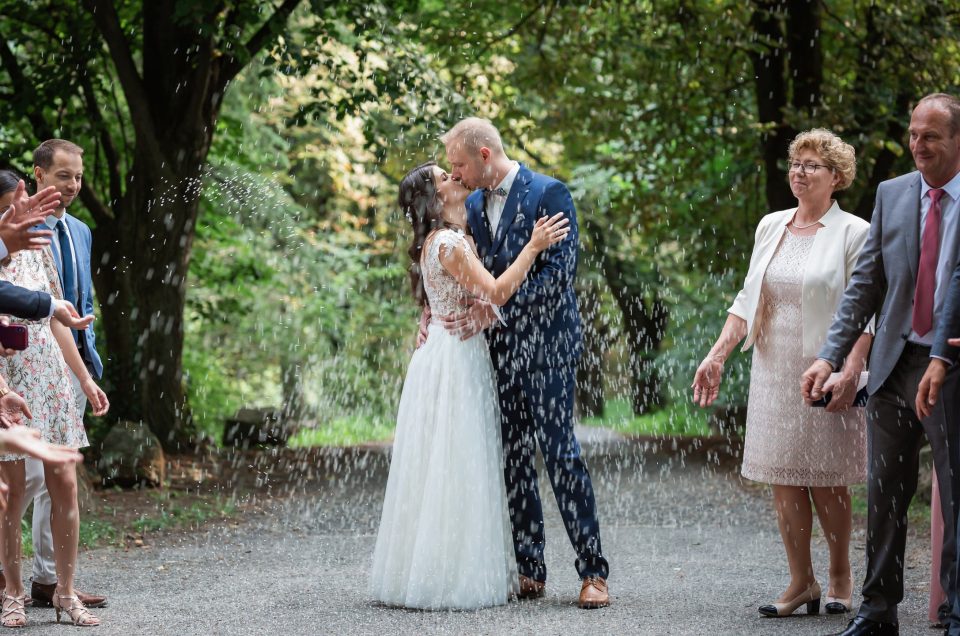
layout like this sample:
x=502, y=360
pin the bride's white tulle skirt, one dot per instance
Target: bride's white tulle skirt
x=444, y=540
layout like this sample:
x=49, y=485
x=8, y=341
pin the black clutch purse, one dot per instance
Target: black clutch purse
x=859, y=401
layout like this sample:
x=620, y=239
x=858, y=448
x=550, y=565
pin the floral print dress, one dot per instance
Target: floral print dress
x=39, y=373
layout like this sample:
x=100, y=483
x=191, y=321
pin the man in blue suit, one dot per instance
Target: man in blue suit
x=534, y=353
x=59, y=163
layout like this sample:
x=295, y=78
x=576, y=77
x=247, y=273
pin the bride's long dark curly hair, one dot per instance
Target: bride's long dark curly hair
x=422, y=207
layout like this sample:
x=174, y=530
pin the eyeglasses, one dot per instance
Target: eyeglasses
x=806, y=168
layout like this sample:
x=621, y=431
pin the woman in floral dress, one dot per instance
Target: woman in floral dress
x=41, y=375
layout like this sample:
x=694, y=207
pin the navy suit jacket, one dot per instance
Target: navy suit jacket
x=23, y=303
x=82, y=241
x=543, y=327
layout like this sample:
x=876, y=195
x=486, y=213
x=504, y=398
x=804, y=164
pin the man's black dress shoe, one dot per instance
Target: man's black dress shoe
x=861, y=626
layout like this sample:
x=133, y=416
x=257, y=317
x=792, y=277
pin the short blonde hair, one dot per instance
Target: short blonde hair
x=474, y=133
x=835, y=152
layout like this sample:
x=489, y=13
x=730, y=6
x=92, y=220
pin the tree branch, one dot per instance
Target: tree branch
x=266, y=33
x=109, y=149
x=105, y=17
x=512, y=30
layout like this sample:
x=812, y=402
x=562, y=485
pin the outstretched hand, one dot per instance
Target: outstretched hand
x=706, y=381
x=16, y=224
x=13, y=410
x=21, y=440
x=67, y=315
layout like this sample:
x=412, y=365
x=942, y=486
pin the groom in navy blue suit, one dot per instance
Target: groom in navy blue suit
x=534, y=352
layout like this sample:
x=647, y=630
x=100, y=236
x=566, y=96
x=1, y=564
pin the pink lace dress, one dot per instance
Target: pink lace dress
x=787, y=442
x=39, y=373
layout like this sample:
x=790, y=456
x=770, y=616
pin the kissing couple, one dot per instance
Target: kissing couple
x=493, y=376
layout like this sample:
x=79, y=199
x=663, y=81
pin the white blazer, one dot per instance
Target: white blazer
x=832, y=260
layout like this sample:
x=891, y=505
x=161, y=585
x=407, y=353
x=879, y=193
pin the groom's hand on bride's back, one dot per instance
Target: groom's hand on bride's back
x=478, y=317
x=424, y=324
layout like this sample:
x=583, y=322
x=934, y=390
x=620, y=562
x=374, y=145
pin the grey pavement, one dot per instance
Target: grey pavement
x=693, y=550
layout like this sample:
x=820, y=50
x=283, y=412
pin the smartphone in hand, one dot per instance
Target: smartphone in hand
x=13, y=337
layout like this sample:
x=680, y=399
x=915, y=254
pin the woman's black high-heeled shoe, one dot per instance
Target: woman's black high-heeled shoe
x=835, y=605
x=809, y=597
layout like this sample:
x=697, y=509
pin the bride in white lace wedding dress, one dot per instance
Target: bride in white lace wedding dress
x=444, y=540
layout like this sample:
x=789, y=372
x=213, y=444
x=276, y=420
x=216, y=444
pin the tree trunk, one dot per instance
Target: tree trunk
x=173, y=91
x=590, y=369
x=790, y=75
x=645, y=322
x=769, y=69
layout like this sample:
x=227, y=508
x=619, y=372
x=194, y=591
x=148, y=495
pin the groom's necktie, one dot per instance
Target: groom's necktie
x=927, y=273
x=66, y=265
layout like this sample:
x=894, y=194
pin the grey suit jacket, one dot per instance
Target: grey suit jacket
x=883, y=283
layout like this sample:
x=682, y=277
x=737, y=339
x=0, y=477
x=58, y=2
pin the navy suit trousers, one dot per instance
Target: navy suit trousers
x=537, y=407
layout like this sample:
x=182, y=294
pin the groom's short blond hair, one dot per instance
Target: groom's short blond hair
x=474, y=133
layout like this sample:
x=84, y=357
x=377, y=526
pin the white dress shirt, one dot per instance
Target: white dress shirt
x=949, y=212
x=495, y=202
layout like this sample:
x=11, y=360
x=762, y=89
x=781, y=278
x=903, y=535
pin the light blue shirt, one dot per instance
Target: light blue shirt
x=947, y=259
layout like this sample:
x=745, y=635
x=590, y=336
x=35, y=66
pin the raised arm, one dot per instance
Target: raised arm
x=470, y=272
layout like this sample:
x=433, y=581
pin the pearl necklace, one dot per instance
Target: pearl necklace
x=803, y=227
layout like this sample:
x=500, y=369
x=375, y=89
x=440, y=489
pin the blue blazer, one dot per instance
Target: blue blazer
x=543, y=326
x=82, y=240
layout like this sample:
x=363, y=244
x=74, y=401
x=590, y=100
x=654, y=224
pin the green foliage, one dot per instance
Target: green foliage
x=652, y=112
x=174, y=516
x=345, y=431
x=680, y=418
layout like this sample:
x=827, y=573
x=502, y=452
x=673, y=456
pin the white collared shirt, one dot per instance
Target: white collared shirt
x=51, y=222
x=947, y=258
x=496, y=203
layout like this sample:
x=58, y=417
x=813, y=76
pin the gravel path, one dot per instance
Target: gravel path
x=692, y=550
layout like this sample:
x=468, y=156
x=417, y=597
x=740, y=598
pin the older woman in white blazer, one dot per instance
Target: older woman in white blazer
x=801, y=261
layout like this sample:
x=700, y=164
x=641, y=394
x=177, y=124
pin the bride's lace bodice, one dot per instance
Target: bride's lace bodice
x=445, y=295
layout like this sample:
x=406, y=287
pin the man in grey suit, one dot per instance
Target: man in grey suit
x=901, y=277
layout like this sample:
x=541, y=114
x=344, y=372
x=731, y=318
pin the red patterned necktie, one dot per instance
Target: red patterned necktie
x=927, y=274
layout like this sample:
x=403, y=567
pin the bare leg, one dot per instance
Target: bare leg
x=65, y=524
x=833, y=510
x=795, y=517
x=12, y=472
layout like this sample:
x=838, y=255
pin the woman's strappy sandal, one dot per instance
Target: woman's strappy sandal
x=12, y=614
x=77, y=611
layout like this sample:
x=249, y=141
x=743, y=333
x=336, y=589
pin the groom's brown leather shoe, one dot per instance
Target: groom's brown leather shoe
x=593, y=593
x=43, y=596
x=531, y=588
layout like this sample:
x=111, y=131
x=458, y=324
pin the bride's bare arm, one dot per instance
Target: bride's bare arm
x=470, y=272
